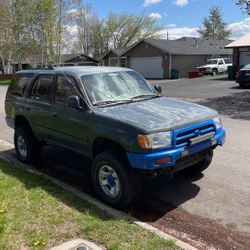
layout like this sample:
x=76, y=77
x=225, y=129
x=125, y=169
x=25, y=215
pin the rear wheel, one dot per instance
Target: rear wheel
x=28, y=148
x=115, y=182
x=202, y=165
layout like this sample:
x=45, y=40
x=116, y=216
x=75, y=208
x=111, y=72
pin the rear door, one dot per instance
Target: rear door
x=68, y=125
x=38, y=104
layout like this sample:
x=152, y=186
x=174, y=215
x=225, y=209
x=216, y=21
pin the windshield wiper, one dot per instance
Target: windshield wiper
x=111, y=102
x=148, y=96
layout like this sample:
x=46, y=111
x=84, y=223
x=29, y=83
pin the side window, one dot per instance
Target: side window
x=42, y=88
x=64, y=89
x=220, y=62
x=19, y=83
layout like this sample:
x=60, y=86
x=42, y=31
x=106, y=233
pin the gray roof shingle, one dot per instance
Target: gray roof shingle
x=191, y=46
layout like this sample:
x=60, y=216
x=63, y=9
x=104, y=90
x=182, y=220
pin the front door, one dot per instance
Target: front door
x=68, y=125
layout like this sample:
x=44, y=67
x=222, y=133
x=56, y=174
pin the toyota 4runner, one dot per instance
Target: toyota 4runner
x=116, y=118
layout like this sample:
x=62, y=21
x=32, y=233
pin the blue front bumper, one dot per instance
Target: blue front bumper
x=147, y=160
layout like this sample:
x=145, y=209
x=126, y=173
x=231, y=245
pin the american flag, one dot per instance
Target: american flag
x=164, y=62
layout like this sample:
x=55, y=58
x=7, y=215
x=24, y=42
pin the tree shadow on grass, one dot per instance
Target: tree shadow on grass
x=235, y=106
x=74, y=170
x=34, y=181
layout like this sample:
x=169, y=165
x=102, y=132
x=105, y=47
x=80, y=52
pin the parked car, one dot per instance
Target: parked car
x=116, y=118
x=243, y=76
x=214, y=66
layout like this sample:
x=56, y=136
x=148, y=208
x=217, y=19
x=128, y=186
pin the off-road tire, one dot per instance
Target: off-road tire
x=242, y=84
x=202, y=165
x=33, y=146
x=130, y=182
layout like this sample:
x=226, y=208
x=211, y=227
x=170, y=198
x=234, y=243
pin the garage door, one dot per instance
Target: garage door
x=244, y=58
x=149, y=67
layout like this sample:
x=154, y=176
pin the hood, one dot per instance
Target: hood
x=159, y=114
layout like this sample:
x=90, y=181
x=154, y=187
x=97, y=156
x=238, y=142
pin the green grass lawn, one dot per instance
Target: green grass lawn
x=37, y=214
x=4, y=82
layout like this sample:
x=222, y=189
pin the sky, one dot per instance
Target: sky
x=178, y=17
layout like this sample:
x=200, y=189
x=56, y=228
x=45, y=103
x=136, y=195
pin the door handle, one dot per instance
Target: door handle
x=54, y=114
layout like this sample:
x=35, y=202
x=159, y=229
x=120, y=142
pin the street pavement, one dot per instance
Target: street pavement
x=223, y=193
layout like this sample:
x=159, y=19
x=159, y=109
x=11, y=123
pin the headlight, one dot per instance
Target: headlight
x=157, y=140
x=217, y=121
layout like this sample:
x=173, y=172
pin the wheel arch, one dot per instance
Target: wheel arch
x=102, y=144
x=21, y=121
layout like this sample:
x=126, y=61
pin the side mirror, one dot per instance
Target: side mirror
x=74, y=102
x=158, y=88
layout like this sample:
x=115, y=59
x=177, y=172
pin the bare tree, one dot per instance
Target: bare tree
x=245, y=5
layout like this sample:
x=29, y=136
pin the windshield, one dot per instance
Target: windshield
x=212, y=62
x=117, y=87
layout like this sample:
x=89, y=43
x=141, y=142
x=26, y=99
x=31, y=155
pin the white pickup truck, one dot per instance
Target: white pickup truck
x=216, y=65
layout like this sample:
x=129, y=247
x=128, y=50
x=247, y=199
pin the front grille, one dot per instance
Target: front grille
x=184, y=137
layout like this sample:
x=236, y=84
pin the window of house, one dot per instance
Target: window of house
x=64, y=89
x=42, y=88
x=113, y=62
x=123, y=62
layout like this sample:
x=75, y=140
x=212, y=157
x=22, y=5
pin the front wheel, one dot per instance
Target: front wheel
x=242, y=84
x=202, y=165
x=214, y=72
x=114, y=181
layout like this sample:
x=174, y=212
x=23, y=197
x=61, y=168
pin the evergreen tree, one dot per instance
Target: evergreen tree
x=213, y=25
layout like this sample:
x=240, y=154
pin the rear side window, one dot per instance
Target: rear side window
x=42, y=88
x=19, y=83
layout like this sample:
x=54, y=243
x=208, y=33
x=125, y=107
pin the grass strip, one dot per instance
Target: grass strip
x=4, y=82
x=37, y=214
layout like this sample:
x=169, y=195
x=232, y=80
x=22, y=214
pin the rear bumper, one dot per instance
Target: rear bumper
x=10, y=122
x=147, y=161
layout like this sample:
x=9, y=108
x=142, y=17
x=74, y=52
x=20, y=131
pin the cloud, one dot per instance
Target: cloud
x=239, y=29
x=173, y=32
x=155, y=15
x=150, y=2
x=181, y=3
x=171, y=25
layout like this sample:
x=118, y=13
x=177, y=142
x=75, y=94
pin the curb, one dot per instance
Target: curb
x=5, y=146
x=77, y=244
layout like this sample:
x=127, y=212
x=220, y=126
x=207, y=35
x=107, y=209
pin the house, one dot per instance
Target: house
x=79, y=60
x=241, y=50
x=155, y=58
x=114, y=57
x=67, y=60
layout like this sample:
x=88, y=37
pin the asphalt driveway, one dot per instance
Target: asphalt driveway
x=210, y=210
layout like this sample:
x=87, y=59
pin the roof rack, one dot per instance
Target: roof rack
x=48, y=68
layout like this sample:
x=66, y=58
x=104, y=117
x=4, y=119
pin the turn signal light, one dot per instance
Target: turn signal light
x=143, y=141
x=224, y=139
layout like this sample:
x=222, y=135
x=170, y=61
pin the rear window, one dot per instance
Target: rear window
x=19, y=83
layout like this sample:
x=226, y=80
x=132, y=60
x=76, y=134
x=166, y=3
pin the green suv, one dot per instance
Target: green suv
x=116, y=118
